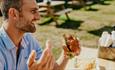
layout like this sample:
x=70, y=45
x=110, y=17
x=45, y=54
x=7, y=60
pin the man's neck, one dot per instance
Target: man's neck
x=14, y=34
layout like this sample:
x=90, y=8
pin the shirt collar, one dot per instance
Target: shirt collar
x=7, y=41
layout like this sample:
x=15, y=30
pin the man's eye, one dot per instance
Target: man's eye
x=33, y=11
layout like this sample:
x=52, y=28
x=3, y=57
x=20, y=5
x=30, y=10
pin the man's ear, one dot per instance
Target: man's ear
x=13, y=13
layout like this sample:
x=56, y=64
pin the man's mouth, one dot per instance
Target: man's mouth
x=34, y=22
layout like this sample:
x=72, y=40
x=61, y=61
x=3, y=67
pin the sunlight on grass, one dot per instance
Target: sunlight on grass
x=85, y=24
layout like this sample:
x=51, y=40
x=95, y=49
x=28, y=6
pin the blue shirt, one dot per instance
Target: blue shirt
x=8, y=57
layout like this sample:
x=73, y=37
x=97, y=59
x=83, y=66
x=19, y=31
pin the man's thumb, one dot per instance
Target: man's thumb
x=48, y=44
x=31, y=59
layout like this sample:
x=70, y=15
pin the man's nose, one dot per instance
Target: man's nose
x=37, y=16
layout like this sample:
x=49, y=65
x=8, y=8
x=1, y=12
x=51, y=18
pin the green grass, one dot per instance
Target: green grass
x=87, y=25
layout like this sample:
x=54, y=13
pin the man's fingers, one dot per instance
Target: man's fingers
x=48, y=44
x=34, y=66
x=46, y=55
x=43, y=59
x=47, y=51
x=65, y=49
x=50, y=63
x=68, y=37
x=31, y=59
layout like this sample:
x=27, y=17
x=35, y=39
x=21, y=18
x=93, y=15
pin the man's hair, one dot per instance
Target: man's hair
x=7, y=4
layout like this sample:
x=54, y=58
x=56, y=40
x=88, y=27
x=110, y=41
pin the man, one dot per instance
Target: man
x=18, y=49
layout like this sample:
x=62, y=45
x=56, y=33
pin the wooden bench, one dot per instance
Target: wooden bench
x=51, y=11
x=76, y=2
x=65, y=11
x=42, y=11
x=61, y=12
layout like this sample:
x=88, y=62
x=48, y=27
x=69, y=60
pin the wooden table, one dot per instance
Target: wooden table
x=52, y=4
x=50, y=10
x=88, y=53
x=106, y=64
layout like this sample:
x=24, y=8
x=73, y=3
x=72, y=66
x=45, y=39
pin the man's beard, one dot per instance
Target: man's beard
x=29, y=28
x=26, y=27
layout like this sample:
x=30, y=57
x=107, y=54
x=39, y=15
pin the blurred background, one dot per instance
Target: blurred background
x=87, y=20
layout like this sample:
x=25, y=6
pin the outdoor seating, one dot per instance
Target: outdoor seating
x=49, y=10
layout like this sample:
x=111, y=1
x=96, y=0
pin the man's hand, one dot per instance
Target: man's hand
x=72, y=45
x=46, y=62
